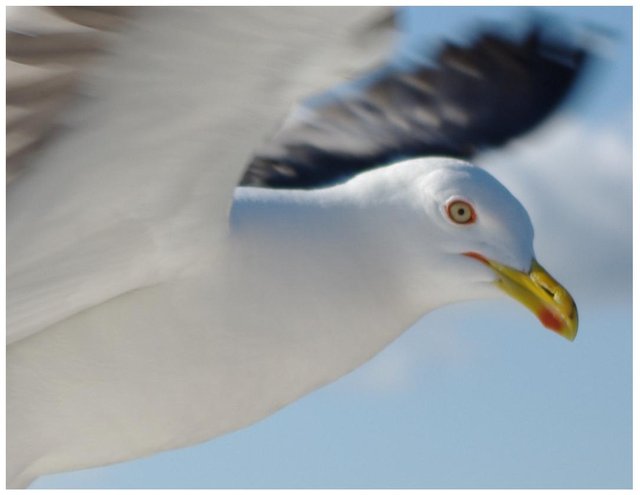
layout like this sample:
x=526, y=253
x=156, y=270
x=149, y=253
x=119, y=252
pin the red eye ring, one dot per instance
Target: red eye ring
x=461, y=212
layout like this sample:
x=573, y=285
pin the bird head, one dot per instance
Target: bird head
x=480, y=238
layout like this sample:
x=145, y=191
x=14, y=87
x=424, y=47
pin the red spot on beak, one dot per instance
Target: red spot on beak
x=549, y=320
x=477, y=256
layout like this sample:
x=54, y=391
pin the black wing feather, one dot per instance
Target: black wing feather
x=472, y=98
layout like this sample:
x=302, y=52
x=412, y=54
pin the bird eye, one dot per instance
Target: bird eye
x=461, y=212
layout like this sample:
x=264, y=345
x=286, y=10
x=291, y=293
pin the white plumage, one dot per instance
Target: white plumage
x=141, y=319
x=305, y=287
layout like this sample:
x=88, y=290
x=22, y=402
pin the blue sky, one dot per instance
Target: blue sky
x=477, y=394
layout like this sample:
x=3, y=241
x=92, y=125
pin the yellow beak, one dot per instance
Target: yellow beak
x=539, y=292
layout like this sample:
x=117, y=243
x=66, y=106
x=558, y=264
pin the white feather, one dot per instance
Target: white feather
x=141, y=320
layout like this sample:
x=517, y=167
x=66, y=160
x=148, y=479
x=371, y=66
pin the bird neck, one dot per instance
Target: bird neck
x=332, y=287
x=336, y=241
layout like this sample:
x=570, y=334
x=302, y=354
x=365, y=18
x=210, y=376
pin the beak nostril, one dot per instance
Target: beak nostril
x=548, y=291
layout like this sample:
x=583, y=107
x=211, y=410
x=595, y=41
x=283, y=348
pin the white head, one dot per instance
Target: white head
x=466, y=234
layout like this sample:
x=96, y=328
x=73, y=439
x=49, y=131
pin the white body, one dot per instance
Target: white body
x=140, y=319
x=118, y=240
x=307, y=286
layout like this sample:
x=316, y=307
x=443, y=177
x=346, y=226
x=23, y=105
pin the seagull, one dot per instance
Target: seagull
x=152, y=304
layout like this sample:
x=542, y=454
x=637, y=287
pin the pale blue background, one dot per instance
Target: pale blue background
x=476, y=395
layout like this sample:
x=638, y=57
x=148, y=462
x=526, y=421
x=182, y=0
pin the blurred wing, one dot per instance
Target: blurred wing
x=139, y=176
x=47, y=51
x=472, y=97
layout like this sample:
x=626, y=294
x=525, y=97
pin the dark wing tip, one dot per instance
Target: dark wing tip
x=474, y=96
x=520, y=83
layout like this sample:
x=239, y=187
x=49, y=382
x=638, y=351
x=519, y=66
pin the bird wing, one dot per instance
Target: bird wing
x=155, y=132
x=47, y=51
x=470, y=98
